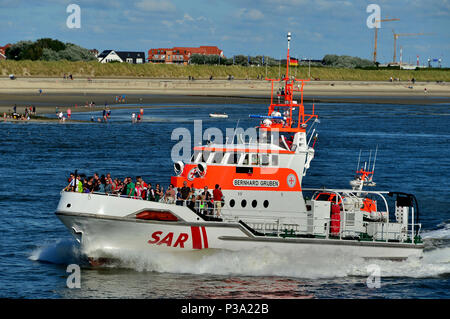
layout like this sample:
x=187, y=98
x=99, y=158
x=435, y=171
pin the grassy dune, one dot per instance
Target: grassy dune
x=95, y=69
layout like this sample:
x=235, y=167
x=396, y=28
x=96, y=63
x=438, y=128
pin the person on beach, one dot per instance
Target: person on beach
x=133, y=118
x=69, y=113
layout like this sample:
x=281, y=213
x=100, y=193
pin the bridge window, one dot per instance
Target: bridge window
x=245, y=161
x=255, y=160
x=274, y=160
x=233, y=158
x=217, y=157
x=265, y=159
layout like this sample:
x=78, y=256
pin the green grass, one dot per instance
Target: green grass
x=95, y=69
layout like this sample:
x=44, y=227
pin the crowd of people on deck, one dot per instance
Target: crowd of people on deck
x=200, y=200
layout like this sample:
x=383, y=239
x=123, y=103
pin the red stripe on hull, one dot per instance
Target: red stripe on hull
x=205, y=237
x=196, y=238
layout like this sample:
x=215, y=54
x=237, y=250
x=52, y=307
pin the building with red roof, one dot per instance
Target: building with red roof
x=3, y=51
x=180, y=55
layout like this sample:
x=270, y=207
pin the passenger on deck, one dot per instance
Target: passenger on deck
x=218, y=197
x=169, y=197
x=185, y=191
x=151, y=194
x=207, y=198
x=158, y=193
x=138, y=190
x=108, y=186
x=131, y=188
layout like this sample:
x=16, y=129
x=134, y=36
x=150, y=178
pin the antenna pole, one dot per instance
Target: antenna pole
x=375, y=159
x=359, y=158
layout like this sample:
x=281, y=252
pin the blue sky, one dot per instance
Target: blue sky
x=319, y=27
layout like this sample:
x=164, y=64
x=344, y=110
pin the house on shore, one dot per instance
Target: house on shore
x=180, y=55
x=121, y=56
x=3, y=51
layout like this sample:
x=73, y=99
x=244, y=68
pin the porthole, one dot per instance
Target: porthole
x=254, y=203
x=68, y=205
x=243, y=203
x=266, y=203
x=232, y=202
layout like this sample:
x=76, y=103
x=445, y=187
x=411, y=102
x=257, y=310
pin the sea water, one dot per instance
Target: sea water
x=36, y=158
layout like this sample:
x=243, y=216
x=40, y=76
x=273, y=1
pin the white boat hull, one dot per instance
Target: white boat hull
x=105, y=236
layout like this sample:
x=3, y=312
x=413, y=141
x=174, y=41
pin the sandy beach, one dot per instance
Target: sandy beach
x=77, y=93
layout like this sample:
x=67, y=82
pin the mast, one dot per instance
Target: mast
x=280, y=115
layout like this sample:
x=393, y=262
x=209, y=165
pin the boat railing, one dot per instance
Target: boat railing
x=409, y=233
x=205, y=207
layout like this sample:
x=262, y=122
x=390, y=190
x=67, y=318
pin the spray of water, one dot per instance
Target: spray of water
x=262, y=262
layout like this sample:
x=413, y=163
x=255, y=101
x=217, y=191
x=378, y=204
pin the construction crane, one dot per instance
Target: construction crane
x=376, y=36
x=396, y=35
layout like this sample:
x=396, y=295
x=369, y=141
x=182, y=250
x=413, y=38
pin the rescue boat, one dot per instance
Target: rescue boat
x=263, y=204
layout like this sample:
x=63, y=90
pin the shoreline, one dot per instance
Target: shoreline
x=162, y=93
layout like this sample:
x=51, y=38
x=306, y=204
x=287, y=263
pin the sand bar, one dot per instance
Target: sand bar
x=57, y=92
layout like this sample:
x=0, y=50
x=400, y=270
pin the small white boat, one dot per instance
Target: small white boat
x=219, y=115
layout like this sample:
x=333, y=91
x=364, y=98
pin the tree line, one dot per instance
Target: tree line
x=330, y=60
x=48, y=50
x=53, y=50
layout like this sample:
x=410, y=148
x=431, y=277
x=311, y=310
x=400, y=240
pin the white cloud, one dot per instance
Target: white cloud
x=252, y=14
x=155, y=5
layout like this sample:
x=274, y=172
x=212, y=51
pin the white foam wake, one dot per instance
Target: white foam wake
x=261, y=262
x=443, y=232
x=61, y=252
x=267, y=262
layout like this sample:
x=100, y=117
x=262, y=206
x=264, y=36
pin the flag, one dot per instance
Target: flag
x=293, y=62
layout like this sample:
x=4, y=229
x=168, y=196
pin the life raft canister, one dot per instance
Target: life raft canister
x=335, y=219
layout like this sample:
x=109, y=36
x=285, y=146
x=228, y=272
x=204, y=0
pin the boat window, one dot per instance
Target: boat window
x=233, y=158
x=274, y=160
x=254, y=159
x=245, y=161
x=197, y=156
x=243, y=203
x=265, y=159
x=232, y=202
x=244, y=170
x=324, y=196
x=254, y=203
x=217, y=158
x=266, y=203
